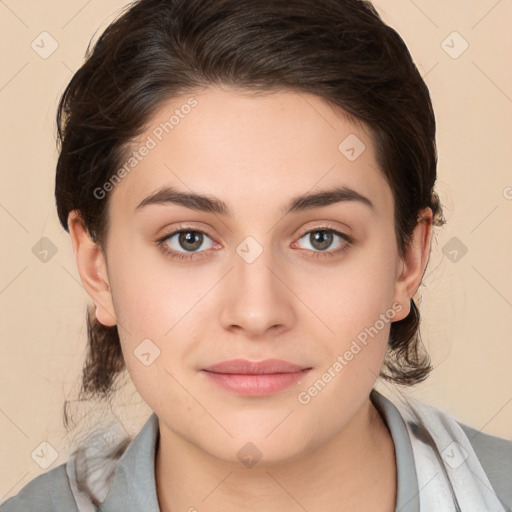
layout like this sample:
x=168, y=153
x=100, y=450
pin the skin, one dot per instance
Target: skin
x=256, y=153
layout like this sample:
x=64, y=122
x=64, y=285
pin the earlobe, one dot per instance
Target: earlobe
x=92, y=268
x=412, y=265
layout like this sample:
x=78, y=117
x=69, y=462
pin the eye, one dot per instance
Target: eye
x=185, y=240
x=321, y=238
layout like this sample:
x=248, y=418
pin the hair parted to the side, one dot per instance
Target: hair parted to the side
x=339, y=50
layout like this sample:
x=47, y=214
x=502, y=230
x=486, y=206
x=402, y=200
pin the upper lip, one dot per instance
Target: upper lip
x=243, y=366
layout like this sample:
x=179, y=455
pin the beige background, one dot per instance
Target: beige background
x=466, y=302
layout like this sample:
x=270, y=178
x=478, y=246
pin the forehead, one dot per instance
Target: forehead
x=250, y=149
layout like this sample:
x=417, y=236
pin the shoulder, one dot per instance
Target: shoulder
x=49, y=492
x=495, y=456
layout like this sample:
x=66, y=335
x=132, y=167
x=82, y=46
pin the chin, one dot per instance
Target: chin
x=259, y=449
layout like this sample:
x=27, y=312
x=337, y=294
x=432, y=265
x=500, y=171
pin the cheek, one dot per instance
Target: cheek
x=152, y=309
x=150, y=294
x=157, y=306
x=361, y=288
x=357, y=308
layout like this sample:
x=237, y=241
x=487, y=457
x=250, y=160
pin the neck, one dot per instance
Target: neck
x=354, y=470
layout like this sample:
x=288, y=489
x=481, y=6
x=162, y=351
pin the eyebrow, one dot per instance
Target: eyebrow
x=209, y=204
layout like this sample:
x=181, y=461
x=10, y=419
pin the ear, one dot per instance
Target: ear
x=92, y=268
x=412, y=265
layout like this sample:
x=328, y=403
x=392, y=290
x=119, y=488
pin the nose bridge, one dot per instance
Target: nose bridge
x=257, y=299
x=253, y=264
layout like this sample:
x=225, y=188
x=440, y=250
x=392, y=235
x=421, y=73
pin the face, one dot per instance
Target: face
x=252, y=271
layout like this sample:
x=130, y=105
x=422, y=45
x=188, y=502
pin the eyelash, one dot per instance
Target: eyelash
x=161, y=242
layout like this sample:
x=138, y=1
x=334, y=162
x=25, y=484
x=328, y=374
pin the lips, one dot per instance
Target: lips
x=255, y=378
x=245, y=367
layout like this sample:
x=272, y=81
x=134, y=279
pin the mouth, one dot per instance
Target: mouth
x=250, y=378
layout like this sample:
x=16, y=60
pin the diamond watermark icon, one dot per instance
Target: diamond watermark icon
x=146, y=352
x=454, y=45
x=44, y=455
x=249, y=455
x=454, y=455
x=351, y=147
x=44, y=250
x=454, y=249
x=44, y=45
x=249, y=249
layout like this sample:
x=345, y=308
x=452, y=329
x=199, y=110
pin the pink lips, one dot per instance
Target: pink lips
x=250, y=378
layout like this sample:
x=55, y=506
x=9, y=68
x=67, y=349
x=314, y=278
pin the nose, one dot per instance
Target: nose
x=257, y=297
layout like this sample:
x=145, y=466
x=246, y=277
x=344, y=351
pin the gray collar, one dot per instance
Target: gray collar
x=407, y=499
x=134, y=486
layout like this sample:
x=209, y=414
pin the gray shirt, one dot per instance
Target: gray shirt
x=133, y=488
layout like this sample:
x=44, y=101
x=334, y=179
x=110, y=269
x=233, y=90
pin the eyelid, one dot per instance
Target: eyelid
x=324, y=227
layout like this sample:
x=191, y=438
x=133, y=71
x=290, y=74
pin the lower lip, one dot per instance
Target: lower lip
x=256, y=385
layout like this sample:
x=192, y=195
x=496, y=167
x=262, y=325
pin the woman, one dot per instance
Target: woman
x=249, y=191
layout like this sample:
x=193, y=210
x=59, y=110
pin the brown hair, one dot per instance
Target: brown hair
x=339, y=50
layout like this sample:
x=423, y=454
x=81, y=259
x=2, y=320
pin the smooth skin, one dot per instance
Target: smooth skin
x=293, y=302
